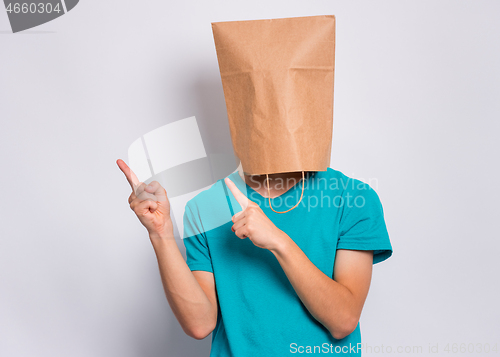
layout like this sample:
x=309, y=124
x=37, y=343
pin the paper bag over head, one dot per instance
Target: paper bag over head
x=277, y=76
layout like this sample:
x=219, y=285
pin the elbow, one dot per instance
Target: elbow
x=340, y=334
x=199, y=325
x=199, y=332
x=344, y=329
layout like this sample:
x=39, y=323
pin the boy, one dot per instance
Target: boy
x=280, y=252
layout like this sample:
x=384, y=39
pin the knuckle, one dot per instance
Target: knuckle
x=136, y=206
x=154, y=184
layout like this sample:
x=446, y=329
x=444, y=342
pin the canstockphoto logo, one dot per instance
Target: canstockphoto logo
x=24, y=15
x=175, y=156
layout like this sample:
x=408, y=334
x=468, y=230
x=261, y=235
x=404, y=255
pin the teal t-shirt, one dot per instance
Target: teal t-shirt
x=260, y=314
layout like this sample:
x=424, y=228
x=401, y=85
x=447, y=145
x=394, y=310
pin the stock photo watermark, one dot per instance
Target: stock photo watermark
x=448, y=348
x=323, y=185
x=192, y=170
x=24, y=15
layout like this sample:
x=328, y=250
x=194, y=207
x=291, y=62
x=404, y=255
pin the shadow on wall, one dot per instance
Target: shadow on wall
x=163, y=336
x=210, y=108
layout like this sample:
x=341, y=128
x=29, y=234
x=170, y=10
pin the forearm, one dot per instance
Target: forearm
x=188, y=301
x=328, y=301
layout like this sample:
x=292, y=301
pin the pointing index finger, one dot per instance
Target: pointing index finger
x=240, y=197
x=129, y=174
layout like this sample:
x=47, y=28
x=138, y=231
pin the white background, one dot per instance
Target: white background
x=416, y=109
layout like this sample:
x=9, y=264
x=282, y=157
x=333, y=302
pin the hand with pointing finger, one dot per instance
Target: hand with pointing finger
x=253, y=223
x=149, y=203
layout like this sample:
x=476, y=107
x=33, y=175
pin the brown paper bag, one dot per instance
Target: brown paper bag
x=277, y=77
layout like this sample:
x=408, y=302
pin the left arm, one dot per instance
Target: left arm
x=336, y=304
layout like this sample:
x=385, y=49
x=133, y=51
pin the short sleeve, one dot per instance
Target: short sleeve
x=362, y=225
x=195, y=241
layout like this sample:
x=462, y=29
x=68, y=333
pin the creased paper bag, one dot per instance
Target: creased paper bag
x=277, y=76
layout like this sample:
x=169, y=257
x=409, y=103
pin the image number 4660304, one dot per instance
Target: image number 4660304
x=25, y=14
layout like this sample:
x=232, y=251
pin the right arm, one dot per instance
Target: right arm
x=190, y=294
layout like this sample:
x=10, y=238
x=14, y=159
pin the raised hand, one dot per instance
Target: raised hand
x=149, y=203
x=253, y=223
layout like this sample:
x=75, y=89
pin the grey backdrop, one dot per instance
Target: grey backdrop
x=416, y=111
